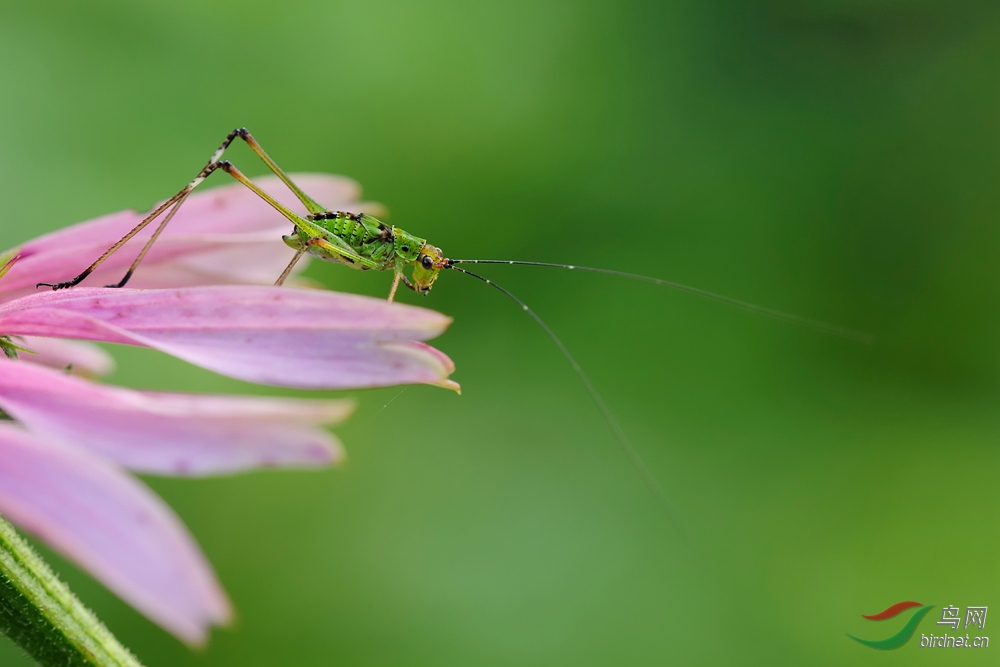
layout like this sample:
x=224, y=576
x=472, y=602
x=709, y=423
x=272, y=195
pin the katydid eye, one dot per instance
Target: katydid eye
x=427, y=262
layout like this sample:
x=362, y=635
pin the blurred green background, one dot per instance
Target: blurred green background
x=836, y=159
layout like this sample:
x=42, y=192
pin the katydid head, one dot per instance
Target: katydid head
x=426, y=267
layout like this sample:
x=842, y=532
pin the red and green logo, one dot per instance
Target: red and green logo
x=904, y=634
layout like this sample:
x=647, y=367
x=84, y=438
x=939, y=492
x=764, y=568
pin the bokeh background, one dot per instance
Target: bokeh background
x=836, y=159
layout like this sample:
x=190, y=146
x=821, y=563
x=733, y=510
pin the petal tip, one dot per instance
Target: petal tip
x=335, y=455
x=450, y=384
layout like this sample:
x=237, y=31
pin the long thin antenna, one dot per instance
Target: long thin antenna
x=777, y=314
x=633, y=456
x=400, y=393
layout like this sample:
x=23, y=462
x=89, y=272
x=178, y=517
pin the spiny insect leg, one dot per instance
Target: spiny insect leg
x=178, y=199
x=110, y=251
x=395, y=284
x=295, y=260
x=288, y=269
x=149, y=243
x=306, y=200
x=304, y=224
x=412, y=286
x=176, y=202
x=320, y=237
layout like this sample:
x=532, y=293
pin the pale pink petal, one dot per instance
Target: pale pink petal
x=172, y=434
x=112, y=526
x=82, y=358
x=282, y=336
x=221, y=235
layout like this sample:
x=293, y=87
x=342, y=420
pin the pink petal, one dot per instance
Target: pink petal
x=309, y=339
x=84, y=358
x=220, y=235
x=112, y=526
x=171, y=434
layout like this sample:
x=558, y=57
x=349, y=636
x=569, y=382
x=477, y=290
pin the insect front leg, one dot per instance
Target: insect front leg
x=413, y=287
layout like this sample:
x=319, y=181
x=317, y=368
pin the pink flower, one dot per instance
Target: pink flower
x=171, y=434
x=308, y=339
x=81, y=358
x=62, y=478
x=63, y=463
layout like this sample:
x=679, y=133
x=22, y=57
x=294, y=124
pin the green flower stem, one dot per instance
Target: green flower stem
x=40, y=614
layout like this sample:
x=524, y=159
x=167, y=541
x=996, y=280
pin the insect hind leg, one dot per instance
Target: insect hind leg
x=174, y=202
x=178, y=199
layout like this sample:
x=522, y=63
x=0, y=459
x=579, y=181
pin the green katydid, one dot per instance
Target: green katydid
x=363, y=242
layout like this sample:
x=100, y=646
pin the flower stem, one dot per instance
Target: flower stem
x=40, y=614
